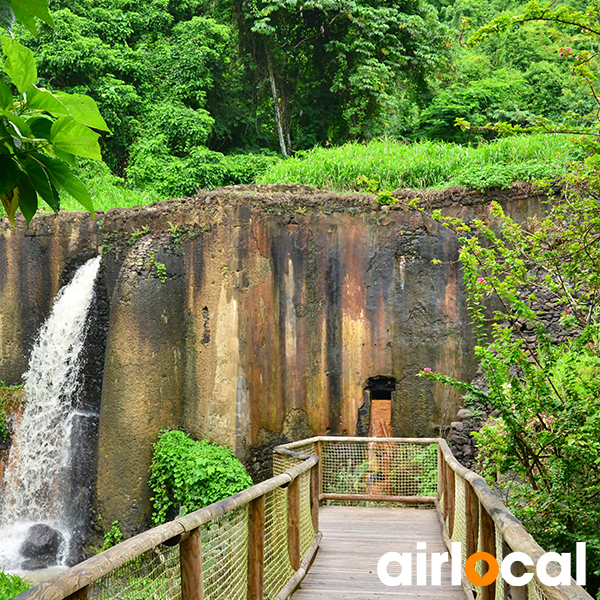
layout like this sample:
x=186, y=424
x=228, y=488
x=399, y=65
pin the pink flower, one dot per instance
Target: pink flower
x=427, y=370
x=568, y=311
x=550, y=421
x=481, y=280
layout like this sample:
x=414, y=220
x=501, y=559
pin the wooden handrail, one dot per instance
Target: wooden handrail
x=68, y=583
x=511, y=529
x=486, y=514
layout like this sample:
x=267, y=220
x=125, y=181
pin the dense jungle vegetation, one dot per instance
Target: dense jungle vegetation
x=198, y=94
x=366, y=94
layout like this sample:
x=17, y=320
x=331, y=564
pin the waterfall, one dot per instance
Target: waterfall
x=37, y=472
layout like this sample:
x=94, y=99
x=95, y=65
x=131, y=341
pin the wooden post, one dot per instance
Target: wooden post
x=293, y=507
x=314, y=497
x=319, y=454
x=82, y=594
x=256, y=548
x=192, y=586
x=451, y=492
x=488, y=544
x=471, y=519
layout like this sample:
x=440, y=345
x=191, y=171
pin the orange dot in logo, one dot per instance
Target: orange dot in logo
x=473, y=576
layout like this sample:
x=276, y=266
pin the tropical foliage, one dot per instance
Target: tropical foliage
x=186, y=475
x=199, y=94
x=41, y=132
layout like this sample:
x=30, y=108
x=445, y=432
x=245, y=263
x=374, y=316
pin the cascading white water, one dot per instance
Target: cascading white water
x=40, y=454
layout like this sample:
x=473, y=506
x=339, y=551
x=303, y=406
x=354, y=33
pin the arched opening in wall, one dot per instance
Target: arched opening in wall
x=379, y=391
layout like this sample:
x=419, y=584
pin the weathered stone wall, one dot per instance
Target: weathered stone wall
x=252, y=316
x=32, y=264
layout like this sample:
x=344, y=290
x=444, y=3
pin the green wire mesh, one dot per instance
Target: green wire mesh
x=278, y=568
x=152, y=574
x=379, y=468
x=225, y=556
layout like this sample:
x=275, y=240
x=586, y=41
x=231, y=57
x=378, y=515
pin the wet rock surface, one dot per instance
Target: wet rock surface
x=41, y=547
x=234, y=308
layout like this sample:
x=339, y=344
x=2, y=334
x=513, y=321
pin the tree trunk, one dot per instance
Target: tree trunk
x=280, y=112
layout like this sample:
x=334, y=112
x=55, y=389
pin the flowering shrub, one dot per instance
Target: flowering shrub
x=543, y=451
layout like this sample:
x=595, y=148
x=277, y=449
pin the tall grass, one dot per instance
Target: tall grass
x=390, y=164
x=108, y=190
x=429, y=164
x=11, y=585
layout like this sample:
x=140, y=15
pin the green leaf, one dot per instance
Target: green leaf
x=21, y=125
x=84, y=110
x=27, y=197
x=9, y=174
x=40, y=179
x=26, y=19
x=7, y=16
x=10, y=202
x=26, y=10
x=20, y=63
x=70, y=136
x=42, y=99
x=40, y=127
x=66, y=156
x=62, y=176
x=6, y=96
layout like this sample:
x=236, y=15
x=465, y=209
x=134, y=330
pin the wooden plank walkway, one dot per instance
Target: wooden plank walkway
x=354, y=539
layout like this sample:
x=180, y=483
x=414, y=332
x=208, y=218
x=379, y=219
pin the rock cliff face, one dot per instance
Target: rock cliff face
x=251, y=316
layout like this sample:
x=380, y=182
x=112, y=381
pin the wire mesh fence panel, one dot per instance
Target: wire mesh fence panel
x=277, y=566
x=307, y=532
x=500, y=552
x=225, y=556
x=151, y=575
x=459, y=533
x=379, y=468
x=282, y=462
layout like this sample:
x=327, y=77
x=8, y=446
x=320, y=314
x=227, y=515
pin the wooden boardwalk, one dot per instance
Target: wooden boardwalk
x=354, y=539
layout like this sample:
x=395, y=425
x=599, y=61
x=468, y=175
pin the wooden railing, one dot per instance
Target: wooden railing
x=471, y=513
x=254, y=537
x=259, y=543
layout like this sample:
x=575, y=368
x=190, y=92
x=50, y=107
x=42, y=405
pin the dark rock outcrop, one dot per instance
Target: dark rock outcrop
x=41, y=546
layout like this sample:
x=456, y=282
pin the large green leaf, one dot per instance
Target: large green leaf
x=40, y=178
x=66, y=156
x=20, y=63
x=7, y=16
x=40, y=127
x=42, y=99
x=70, y=136
x=21, y=125
x=83, y=109
x=6, y=97
x=9, y=174
x=62, y=176
x=26, y=19
x=26, y=10
x=27, y=197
